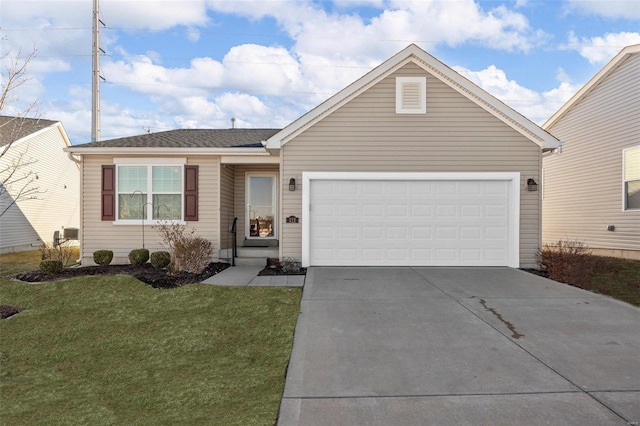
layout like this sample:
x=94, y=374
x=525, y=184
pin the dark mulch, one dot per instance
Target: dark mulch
x=157, y=278
x=276, y=267
x=536, y=272
x=7, y=310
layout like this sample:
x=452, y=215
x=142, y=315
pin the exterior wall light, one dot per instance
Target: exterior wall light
x=532, y=185
x=292, y=184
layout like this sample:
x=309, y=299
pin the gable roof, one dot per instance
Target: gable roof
x=12, y=129
x=439, y=70
x=181, y=138
x=595, y=81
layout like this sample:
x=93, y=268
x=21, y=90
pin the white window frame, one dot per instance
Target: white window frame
x=625, y=180
x=422, y=81
x=149, y=163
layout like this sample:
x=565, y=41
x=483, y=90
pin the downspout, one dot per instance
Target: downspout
x=80, y=164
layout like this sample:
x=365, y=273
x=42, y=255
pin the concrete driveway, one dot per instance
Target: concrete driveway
x=456, y=346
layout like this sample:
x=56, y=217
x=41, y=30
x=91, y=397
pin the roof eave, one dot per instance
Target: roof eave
x=145, y=150
x=413, y=53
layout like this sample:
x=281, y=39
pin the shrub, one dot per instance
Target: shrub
x=567, y=261
x=291, y=266
x=103, y=257
x=51, y=267
x=189, y=252
x=138, y=256
x=63, y=252
x=160, y=259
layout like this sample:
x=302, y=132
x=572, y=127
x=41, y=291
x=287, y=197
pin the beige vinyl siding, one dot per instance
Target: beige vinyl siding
x=583, y=184
x=227, y=205
x=56, y=206
x=98, y=234
x=240, y=194
x=455, y=135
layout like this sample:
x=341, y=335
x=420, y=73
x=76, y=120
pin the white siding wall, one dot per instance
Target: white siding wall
x=98, y=234
x=57, y=205
x=583, y=184
x=454, y=136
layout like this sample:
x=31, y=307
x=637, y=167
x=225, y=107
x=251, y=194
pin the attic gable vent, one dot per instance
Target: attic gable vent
x=411, y=95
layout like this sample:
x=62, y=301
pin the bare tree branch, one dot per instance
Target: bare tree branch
x=17, y=178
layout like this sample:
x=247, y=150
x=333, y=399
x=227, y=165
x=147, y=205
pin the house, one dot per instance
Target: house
x=412, y=164
x=31, y=220
x=592, y=187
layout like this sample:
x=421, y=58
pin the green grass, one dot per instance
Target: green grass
x=112, y=350
x=619, y=278
x=12, y=263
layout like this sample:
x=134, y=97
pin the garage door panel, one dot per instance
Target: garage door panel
x=416, y=223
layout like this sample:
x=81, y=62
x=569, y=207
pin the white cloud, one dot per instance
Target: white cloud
x=536, y=106
x=625, y=9
x=601, y=49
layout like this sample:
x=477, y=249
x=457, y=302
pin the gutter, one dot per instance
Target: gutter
x=147, y=151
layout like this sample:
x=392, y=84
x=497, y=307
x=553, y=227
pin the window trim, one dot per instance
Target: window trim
x=625, y=181
x=149, y=163
x=400, y=82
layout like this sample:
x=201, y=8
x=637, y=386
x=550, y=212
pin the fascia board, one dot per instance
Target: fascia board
x=166, y=151
x=589, y=86
x=440, y=71
x=488, y=102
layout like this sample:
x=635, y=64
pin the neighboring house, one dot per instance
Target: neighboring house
x=31, y=221
x=592, y=187
x=412, y=164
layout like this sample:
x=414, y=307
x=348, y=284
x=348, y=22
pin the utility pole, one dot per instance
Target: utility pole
x=96, y=77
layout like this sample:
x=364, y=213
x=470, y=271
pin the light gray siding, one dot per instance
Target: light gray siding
x=455, y=135
x=56, y=206
x=105, y=235
x=583, y=191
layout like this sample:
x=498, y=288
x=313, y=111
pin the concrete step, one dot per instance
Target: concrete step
x=251, y=261
x=262, y=252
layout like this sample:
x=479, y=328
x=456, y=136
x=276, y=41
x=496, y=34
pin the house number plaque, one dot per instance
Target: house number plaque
x=293, y=219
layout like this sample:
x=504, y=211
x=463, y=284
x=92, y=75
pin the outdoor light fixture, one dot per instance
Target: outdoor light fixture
x=532, y=185
x=292, y=184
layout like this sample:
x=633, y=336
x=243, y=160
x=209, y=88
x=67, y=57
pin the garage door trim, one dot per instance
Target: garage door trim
x=514, y=199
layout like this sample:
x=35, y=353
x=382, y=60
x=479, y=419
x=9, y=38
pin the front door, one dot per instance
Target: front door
x=260, y=220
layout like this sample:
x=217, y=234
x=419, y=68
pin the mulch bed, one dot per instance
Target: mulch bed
x=7, y=310
x=157, y=278
x=275, y=267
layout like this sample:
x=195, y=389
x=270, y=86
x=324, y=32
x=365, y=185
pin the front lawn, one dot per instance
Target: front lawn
x=113, y=350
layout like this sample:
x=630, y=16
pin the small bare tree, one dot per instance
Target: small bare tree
x=17, y=178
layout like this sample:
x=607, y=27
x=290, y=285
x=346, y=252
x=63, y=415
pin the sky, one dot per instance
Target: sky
x=198, y=63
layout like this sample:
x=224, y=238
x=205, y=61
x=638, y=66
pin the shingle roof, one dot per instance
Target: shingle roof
x=190, y=138
x=14, y=128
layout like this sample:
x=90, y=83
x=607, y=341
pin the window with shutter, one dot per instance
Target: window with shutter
x=411, y=95
x=153, y=190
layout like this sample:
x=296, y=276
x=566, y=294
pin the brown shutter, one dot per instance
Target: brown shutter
x=190, y=193
x=109, y=192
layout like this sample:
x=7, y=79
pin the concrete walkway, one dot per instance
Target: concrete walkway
x=247, y=275
x=459, y=346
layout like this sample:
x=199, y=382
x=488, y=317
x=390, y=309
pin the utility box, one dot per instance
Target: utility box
x=70, y=233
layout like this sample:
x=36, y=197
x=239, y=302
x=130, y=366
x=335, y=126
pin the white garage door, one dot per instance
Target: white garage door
x=411, y=222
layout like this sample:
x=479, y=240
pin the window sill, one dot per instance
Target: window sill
x=138, y=222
